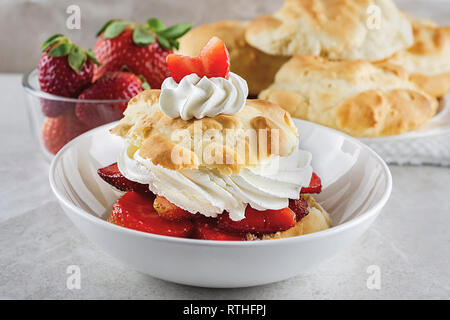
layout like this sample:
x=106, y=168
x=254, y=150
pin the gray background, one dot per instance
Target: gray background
x=25, y=25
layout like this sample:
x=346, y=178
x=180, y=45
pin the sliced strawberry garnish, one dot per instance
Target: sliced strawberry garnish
x=268, y=221
x=315, y=185
x=169, y=211
x=213, y=61
x=300, y=208
x=215, y=58
x=114, y=177
x=181, y=66
x=206, y=229
x=135, y=211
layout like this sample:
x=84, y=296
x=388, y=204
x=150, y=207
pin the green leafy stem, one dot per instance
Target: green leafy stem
x=143, y=35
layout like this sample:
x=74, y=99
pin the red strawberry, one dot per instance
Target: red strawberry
x=64, y=70
x=111, y=86
x=142, y=49
x=55, y=108
x=114, y=177
x=206, y=229
x=315, y=185
x=213, y=61
x=300, y=208
x=268, y=221
x=135, y=211
x=56, y=132
x=169, y=211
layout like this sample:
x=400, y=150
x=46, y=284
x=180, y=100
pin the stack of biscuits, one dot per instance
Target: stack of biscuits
x=360, y=66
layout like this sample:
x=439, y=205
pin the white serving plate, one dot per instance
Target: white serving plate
x=356, y=185
x=429, y=144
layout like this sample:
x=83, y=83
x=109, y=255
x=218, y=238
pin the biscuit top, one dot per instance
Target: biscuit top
x=162, y=139
x=337, y=29
x=430, y=53
x=355, y=96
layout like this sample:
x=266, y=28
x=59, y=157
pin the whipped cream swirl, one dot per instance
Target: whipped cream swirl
x=196, y=97
x=268, y=186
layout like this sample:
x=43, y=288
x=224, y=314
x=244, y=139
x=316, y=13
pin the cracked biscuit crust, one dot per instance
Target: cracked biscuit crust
x=428, y=60
x=336, y=29
x=360, y=98
x=162, y=139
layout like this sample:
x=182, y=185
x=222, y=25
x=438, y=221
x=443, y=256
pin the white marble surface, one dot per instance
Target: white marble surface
x=410, y=241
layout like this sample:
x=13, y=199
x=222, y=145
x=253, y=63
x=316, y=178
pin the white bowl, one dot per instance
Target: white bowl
x=356, y=185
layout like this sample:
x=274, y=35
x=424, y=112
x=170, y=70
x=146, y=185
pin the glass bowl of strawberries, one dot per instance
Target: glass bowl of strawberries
x=56, y=120
x=74, y=90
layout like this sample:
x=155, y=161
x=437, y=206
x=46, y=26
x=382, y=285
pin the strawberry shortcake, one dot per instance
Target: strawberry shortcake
x=201, y=161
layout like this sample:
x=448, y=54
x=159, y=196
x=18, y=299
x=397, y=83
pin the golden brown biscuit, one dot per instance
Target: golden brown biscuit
x=336, y=29
x=316, y=220
x=358, y=97
x=158, y=137
x=251, y=64
x=428, y=60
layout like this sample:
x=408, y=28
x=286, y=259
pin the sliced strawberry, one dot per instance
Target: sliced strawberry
x=206, y=229
x=181, y=66
x=135, y=211
x=215, y=58
x=56, y=132
x=315, y=185
x=268, y=221
x=300, y=208
x=114, y=177
x=213, y=61
x=169, y=211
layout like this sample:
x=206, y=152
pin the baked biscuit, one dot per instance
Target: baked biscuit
x=428, y=60
x=336, y=29
x=157, y=136
x=360, y=98
x=251, y=64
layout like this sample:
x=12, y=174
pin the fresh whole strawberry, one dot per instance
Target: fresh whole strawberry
x=114, y=177
x=111, y=86
x=142, y=49
x=64, y=70
x=135, y=211
x=262, y=222
x=213, y=61
x=169, y=211
x=207, y=229
x=56, y=132
x=315, y=185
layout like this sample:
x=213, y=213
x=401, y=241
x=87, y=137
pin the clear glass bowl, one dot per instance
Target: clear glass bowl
x=47, y=110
